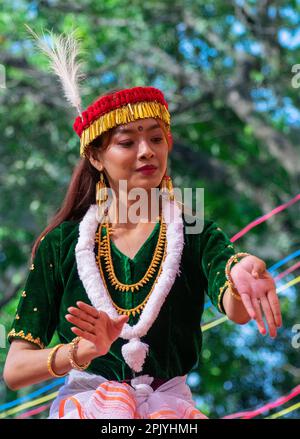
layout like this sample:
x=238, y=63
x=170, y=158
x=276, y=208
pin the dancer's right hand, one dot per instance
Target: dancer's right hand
x=95, y=326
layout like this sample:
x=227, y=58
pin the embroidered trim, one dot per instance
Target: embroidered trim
x=27, y=337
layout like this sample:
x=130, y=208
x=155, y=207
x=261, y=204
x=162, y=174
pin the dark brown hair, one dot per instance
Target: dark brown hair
x=81, y=192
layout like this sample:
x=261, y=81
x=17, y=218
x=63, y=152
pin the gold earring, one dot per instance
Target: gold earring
x=101, y=195
x=167, y=187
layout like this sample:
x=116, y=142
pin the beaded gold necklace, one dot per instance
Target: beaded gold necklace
x=135, y=351
x=104, y=251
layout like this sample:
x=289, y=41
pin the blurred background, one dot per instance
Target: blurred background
x=229, y=72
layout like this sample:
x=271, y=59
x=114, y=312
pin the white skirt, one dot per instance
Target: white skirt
x=89, y=396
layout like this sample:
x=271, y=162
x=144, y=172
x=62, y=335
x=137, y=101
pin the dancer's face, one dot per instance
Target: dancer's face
x=131, y=146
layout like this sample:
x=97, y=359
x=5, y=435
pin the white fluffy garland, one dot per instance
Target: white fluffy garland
x=135, y=351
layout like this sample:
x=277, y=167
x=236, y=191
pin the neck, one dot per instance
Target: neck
x=124, y=213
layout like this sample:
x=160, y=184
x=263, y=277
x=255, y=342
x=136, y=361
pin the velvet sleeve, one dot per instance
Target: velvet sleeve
x=37, y=311
x=215, y=250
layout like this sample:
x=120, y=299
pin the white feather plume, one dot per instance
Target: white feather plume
x=62, y=54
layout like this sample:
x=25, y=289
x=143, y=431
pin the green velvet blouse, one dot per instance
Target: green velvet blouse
x=175, y=338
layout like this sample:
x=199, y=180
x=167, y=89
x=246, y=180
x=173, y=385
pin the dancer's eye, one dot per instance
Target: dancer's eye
x=126, y=144
x=157, y=139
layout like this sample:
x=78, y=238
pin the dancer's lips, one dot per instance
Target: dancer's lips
x=147, y=169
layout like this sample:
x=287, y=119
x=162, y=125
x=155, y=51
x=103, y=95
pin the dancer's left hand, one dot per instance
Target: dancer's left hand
x=258, y=292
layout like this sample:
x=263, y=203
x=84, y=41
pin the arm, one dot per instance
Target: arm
x=26, y=363
x=235, y=309
x=215, y=250
x=257, y=292
x=36, y=317
x=250, y=277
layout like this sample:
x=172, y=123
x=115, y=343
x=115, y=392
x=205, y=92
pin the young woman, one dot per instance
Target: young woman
x=131, y=292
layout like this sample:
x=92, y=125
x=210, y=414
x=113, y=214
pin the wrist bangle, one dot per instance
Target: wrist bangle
x=49, y=362
x=232, y=289
x=220, y=297
x=234, y=292
x=72, y=352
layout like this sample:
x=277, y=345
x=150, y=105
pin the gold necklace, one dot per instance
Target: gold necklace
x=104, y=250
x=141, y=306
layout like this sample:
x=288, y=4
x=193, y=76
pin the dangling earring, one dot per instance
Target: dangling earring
x=166, y=187
x=101, y=197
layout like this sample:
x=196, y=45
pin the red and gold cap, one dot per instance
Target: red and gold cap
x=119, y=108
x=116, y=108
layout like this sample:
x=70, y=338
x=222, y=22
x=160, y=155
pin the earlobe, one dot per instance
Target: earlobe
x=96, y=163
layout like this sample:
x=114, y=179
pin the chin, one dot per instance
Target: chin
x=147, y=183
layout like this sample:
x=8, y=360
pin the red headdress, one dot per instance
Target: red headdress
x=108, y=111
x=120, y=108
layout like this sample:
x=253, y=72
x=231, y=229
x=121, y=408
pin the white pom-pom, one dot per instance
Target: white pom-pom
x=135, y=353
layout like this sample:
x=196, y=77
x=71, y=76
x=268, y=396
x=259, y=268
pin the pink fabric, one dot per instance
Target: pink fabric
x=115, y=400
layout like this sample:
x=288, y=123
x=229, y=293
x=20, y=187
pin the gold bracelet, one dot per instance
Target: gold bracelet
x=234, y=292
x=49, y=362
x=220, y=297
x=232, y=289
x=72, y=352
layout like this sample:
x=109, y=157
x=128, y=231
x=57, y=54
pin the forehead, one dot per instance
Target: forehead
x=148, y=124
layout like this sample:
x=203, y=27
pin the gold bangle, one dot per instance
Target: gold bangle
x=220, y=297
x=49, y=362
x=232, y=289
x=234, y=292
x=233, y=258
x=72, y=352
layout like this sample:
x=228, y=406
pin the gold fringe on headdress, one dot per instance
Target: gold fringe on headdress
x=119, y=116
